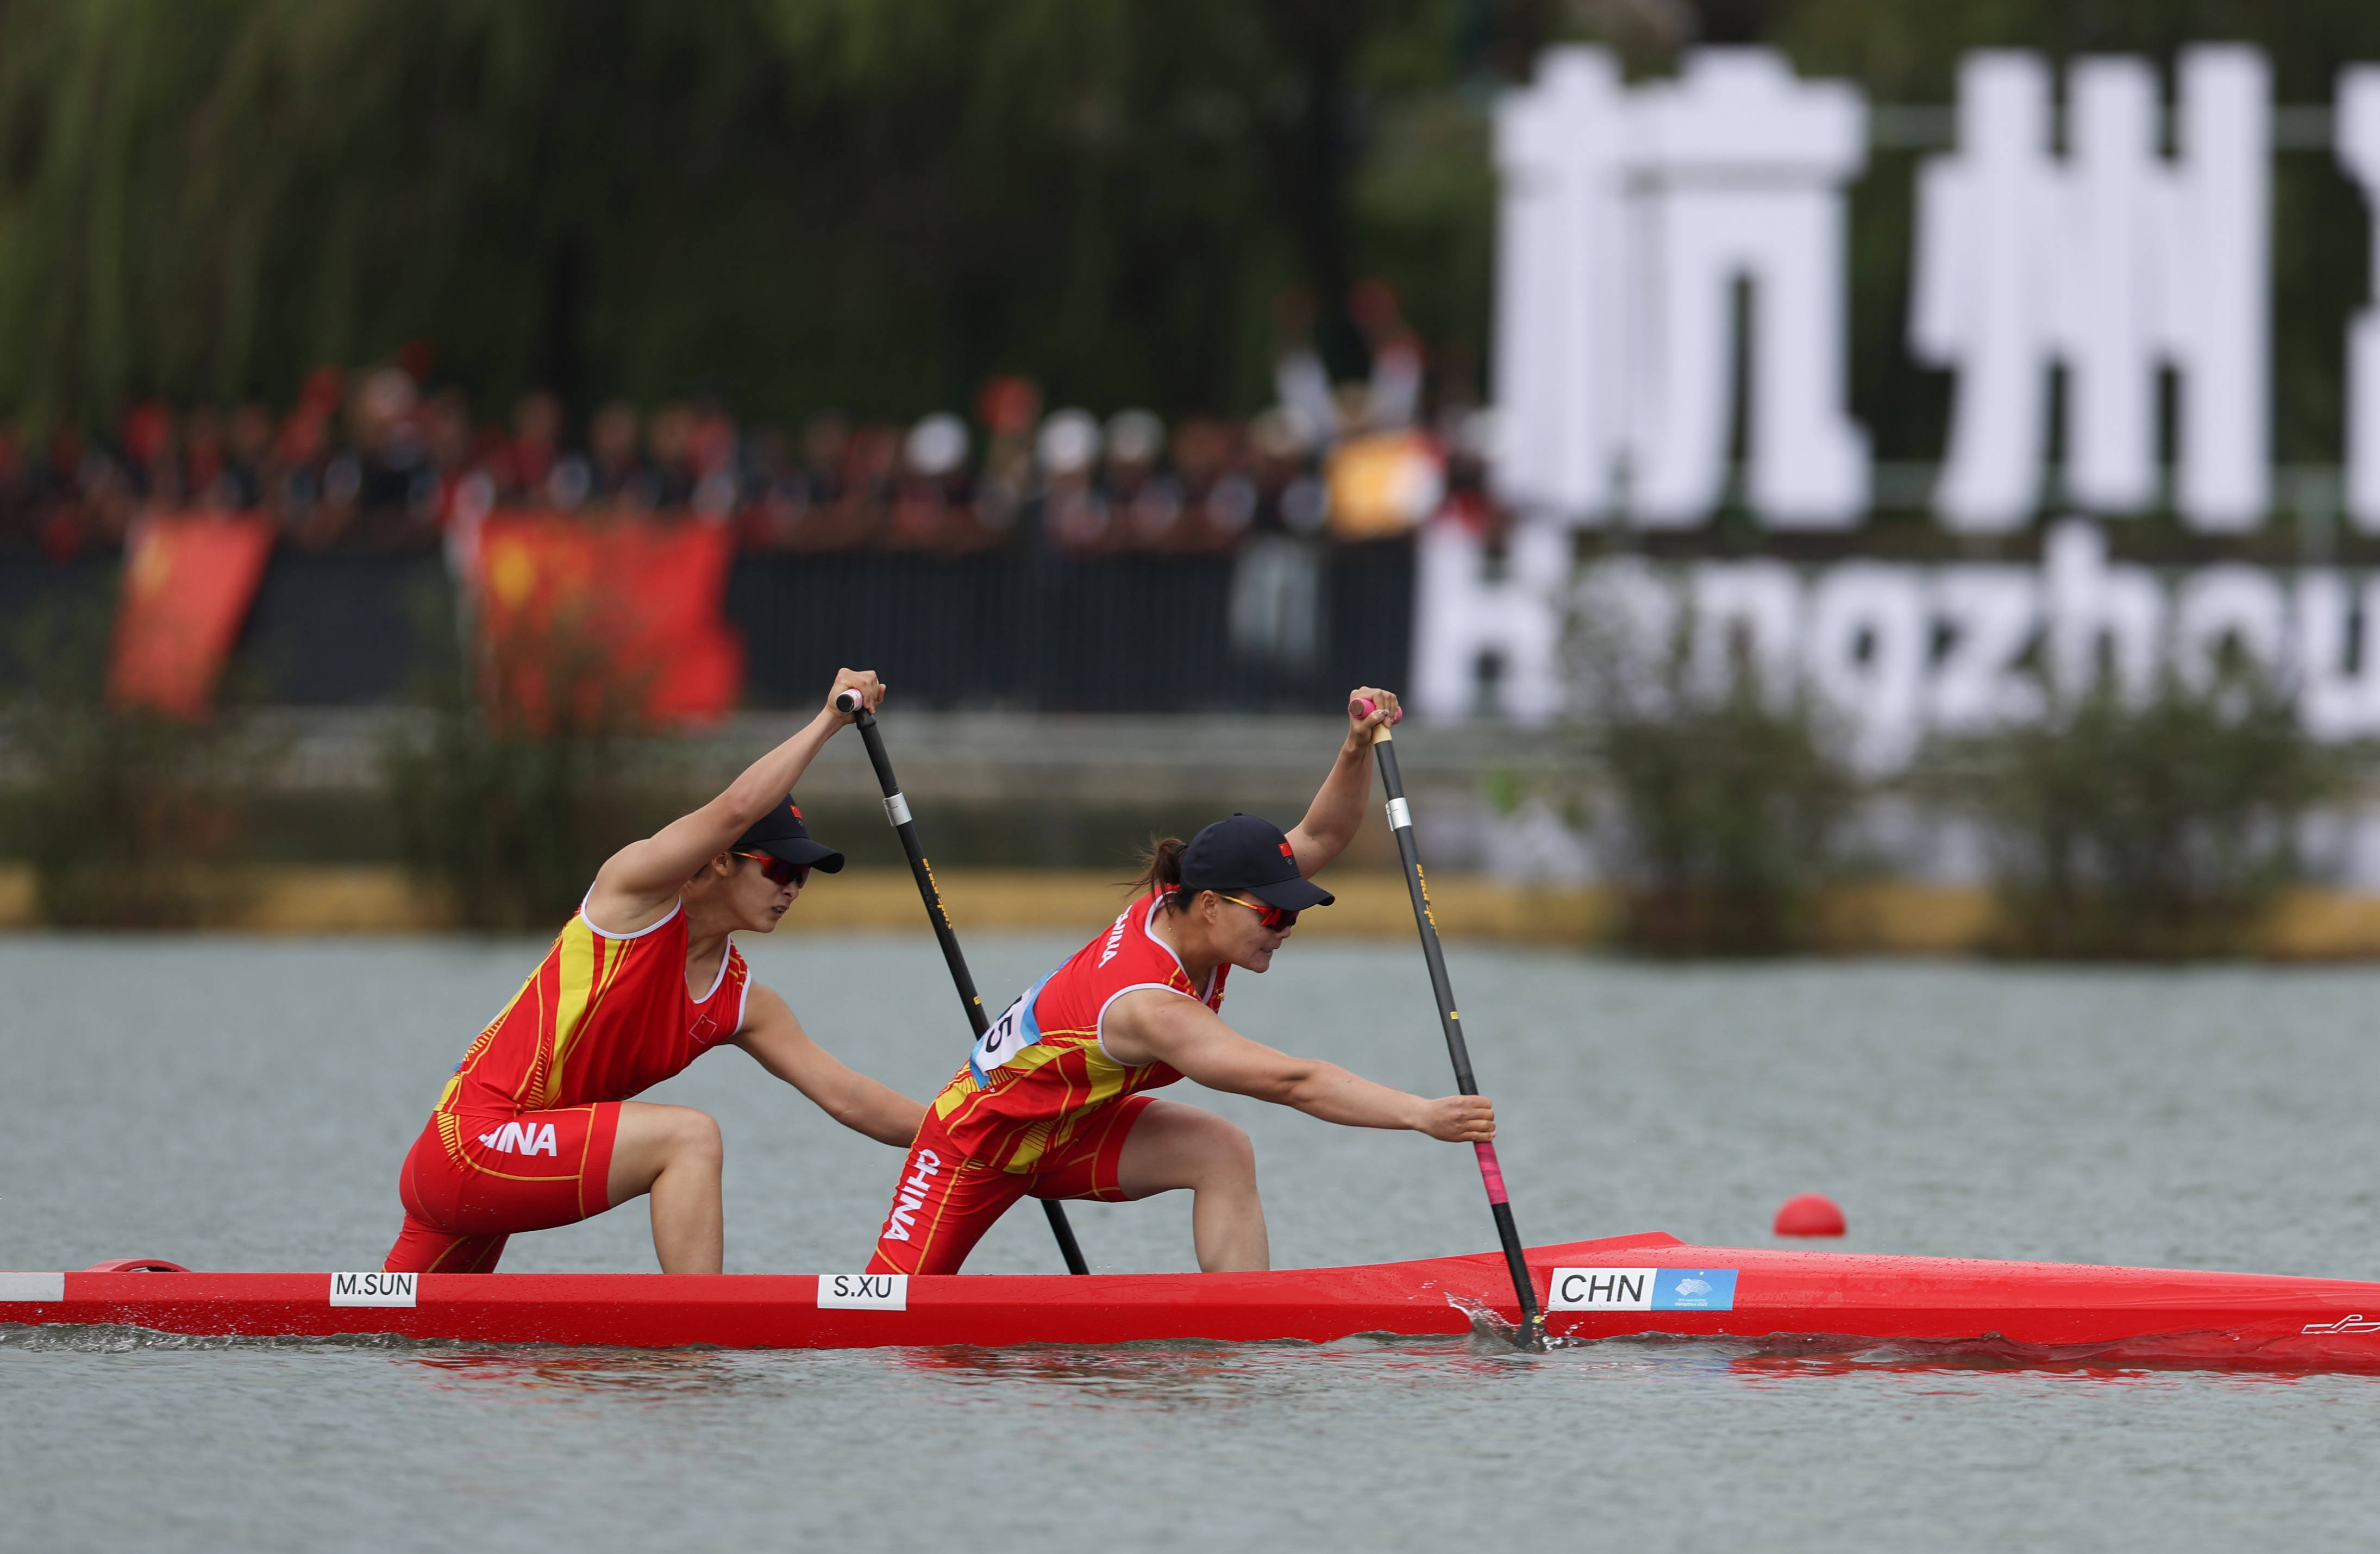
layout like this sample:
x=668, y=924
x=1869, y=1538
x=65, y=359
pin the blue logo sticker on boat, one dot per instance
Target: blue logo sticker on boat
x=1696, y=1289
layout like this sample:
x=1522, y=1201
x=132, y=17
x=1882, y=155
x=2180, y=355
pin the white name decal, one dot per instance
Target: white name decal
x=1601, y=1289
x=875, y=1291
x=32, y=1286
x=373, y=1289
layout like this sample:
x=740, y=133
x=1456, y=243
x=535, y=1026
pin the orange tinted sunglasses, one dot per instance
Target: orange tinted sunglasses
x=779, y=871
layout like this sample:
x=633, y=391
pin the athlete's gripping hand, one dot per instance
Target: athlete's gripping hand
x=1384, y=713
x=871, y=692
x=1458, y=1119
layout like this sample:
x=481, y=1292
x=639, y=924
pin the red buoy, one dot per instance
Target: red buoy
x=1809, y=1214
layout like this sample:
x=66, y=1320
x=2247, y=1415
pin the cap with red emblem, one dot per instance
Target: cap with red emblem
x=781, y=835
x=1249, y=853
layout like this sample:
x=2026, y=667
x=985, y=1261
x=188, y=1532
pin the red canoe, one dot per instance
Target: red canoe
x=1620, y=1286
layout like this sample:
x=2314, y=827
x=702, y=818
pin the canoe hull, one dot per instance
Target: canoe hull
x=1807, y=1302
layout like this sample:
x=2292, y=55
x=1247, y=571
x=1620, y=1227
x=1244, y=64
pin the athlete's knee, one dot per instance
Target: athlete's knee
x=1225, y=1154
x=1185, y=1147
x=694, y=1139
x=1236, y=1152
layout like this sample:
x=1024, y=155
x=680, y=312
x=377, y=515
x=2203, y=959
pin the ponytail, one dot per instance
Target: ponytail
x=1160, y=870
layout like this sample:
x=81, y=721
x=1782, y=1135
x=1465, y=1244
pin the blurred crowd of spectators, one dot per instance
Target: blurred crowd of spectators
x=373, y=462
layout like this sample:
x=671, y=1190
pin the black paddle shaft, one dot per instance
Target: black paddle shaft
x=1533, y=1322
x=896, y=809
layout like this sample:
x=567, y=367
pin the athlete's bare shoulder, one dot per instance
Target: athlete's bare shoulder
x=1141, y=1023
x=764, y=1006
x=618, y=912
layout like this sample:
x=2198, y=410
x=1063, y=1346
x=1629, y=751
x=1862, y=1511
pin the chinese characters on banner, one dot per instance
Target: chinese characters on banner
x=2083, y=226
x=2113, y=261
x=1629, y=216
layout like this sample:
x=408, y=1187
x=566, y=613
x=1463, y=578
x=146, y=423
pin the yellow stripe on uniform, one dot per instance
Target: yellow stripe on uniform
x=1029, y=1147
x=581, y=960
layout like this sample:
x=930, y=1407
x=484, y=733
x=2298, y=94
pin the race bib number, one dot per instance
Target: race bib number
x=1011, y=1034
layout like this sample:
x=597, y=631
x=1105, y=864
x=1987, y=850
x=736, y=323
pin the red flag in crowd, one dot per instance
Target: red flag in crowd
x=620, y=617
x=188, y=581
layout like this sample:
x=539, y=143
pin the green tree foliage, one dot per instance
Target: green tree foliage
x=874, y=204
x=1908, y=51
x=871, y=203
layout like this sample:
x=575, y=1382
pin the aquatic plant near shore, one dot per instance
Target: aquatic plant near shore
x=1732, y=818
x=1733, y=796
x=128, y=815
x=527, y=772
x=2158, y=827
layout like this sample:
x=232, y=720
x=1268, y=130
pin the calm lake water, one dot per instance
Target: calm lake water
x=243, y=1104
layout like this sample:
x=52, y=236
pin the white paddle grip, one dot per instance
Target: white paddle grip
x=1400, y=815
x=896, y=809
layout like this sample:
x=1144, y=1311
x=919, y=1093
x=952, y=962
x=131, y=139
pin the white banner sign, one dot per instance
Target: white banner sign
x=1895, y=649
x=2090, y=224
x=2059, y=234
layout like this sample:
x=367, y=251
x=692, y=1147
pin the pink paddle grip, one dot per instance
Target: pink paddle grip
x=1491, y=1172
x=1364, y=707
x=847, y=701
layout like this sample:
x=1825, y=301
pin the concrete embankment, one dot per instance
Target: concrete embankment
x=1884, y=917
x=1031, y=819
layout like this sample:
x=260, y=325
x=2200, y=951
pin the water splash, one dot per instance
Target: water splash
x=1490, y=1334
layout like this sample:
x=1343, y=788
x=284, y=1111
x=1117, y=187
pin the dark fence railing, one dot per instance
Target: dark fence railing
x=1270, y=626
x=339, y=630
x=1280, y=624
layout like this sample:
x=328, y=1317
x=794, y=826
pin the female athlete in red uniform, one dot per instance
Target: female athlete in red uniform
x=536, y=1128
x=1051, y=1102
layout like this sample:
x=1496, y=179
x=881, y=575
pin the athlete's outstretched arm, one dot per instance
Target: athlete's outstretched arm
x=1337, y=809
x=772, y=1035
x=1170, y=1028
x=637, y=884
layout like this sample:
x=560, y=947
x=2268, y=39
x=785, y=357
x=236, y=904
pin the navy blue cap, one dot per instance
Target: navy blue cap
x=1248, y=854
x=781, y=835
